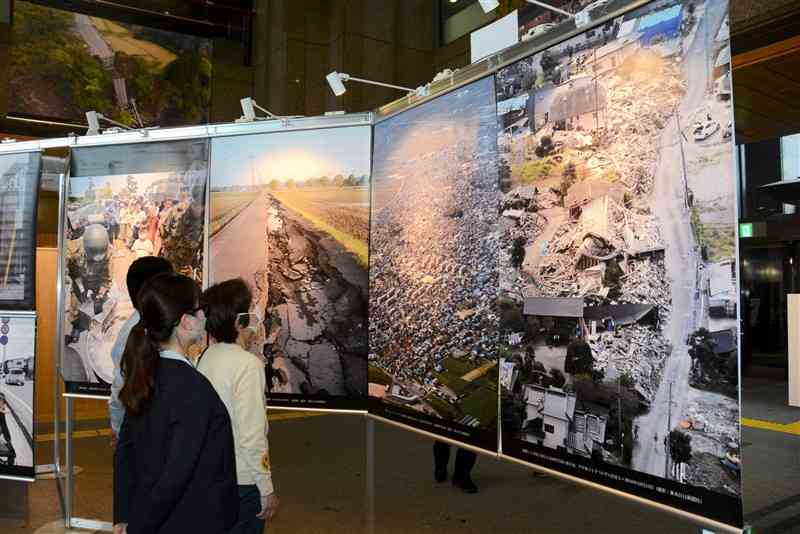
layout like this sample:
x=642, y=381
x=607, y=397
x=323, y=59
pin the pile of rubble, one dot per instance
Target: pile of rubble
x=636, y=351
x=645, y=282
x=638, y=109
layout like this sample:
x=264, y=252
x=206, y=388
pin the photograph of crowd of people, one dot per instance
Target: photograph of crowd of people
x=19, y=185
x=17, y=371
x=300, y=200
x=112, y=220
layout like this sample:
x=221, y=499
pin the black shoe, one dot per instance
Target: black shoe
x=440, y=474
x=465, y=484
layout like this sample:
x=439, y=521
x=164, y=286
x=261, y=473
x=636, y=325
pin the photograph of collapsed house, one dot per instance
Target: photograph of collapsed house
x=300, y=201
x=17, y=373
x=149, y=202
x=19, y=187
x=617, y=272
x=433, y=265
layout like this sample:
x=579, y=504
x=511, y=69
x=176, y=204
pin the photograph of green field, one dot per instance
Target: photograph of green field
x=290, y=215
x=64, y=64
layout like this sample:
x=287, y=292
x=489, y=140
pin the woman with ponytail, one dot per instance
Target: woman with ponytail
x=174, y=466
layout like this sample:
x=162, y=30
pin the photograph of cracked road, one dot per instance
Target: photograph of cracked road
x=19, y=187
x=17, y=372
x=290, y=216
x=124, y=202
x=433, y=267
x=618, y=301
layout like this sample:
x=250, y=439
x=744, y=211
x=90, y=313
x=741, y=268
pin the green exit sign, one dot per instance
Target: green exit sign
x=746, y=230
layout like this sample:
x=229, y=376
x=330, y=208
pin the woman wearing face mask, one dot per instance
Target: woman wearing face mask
x=174, y=465
x=239, y=378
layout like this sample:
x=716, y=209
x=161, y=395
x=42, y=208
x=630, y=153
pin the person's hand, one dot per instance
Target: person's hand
x=114, y=439
x=121, y=528
x=269, y=507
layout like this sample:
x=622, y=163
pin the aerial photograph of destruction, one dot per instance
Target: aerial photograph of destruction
x=433, y=259
x=617, y=305
x=111, y=221
x=64, y=64
x=300, y=201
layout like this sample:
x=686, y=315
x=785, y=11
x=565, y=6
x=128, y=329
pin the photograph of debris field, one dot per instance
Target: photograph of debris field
x=300, y=201
x=433, y=266
x=617, y=284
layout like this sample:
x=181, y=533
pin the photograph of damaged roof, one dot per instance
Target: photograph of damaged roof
x=553, y=307
x=622, y=314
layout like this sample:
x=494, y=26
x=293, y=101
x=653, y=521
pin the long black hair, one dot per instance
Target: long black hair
x=162, y=301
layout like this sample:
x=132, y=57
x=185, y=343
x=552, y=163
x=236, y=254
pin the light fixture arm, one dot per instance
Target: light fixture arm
x=346, y=77
x=270, y=114
x=551, y=8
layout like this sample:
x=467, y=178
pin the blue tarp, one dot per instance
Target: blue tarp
x=665, y=23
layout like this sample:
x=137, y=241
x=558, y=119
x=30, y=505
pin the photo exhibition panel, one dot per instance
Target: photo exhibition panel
x=19, y=187
x=290, y=216
x=433, y=361
x=17, y=373
x=124, y=202
x=617, y=285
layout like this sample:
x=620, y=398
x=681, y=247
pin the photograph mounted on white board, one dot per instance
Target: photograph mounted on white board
x=290, y=216
x=433, y=267
x=155, y=208
x=19, y=186
x=17, y=373
x=618, y=298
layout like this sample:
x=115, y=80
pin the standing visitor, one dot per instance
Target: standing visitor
x=239, y=378
x=462, y=471
x=174, y=465
x=139, y=272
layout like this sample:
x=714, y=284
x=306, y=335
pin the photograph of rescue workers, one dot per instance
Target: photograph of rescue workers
x=19, y=179
x=290, y=216
x=617, y=273
x=17, y=371
x=111, y=221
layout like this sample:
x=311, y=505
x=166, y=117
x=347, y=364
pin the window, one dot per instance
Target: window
x=550, y=429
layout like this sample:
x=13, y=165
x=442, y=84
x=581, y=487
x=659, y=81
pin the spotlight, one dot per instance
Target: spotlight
x=336, y=79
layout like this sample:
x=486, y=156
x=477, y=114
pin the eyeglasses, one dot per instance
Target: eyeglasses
x=250, y=320
x=203, y=307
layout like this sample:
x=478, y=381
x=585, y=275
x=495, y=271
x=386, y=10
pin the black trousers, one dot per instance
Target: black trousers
x=465, y=460
x=249, y=506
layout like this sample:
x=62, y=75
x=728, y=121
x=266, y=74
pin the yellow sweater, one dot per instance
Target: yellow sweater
x=238, y=377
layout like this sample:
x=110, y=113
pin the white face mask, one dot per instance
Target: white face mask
x=196, y=327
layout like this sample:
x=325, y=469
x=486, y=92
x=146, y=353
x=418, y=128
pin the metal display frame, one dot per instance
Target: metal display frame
x=65, y=472
x=484, y=68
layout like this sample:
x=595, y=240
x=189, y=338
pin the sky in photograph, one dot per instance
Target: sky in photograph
x=21, y=338
x=78, y=186
x=259, y=159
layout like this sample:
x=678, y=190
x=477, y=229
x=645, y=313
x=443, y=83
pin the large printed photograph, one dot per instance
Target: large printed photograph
x=151, y=203
x=433, y=267
x=64, y=64
x=290, y=216
x=19, y=187
x=618, y=303
x=17, y=373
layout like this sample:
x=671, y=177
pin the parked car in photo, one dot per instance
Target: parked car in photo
x=15, y=377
